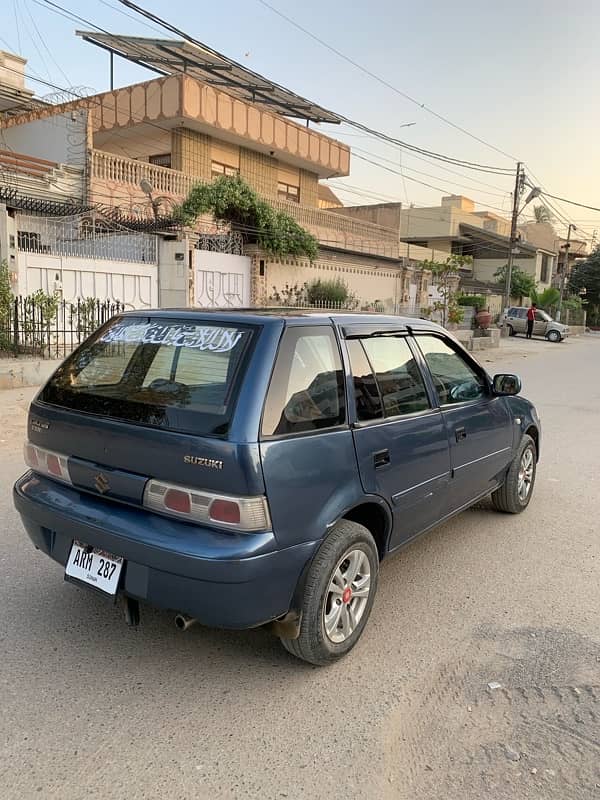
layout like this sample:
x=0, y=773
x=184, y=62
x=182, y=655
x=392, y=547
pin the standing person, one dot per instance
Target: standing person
x=531, y=319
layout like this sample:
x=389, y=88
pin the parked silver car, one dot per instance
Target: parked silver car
x=516, y=320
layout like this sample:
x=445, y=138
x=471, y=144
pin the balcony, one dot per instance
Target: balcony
x=115, y=181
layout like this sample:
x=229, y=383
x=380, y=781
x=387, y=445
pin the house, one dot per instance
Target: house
x=136, y=151
x=327, y=197
x=455, y=227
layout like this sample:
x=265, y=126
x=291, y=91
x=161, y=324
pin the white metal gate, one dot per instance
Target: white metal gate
x=222, y=280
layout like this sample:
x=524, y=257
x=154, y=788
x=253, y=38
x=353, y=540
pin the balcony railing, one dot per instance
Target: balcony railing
x=116, y=169
x=330, y=228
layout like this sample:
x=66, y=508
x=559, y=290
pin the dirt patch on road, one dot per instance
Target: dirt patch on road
x=14, y=405
x=517, y=716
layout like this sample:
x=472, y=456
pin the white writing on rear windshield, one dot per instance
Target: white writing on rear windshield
x=217, y=340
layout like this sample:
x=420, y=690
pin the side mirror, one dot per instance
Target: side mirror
x=506, y=384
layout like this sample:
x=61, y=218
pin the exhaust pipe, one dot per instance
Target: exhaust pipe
x=183, y=622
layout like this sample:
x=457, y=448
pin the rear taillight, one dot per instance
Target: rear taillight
x=48, y=463
x=194, y=505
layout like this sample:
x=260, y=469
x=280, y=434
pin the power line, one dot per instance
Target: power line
x=415, y=180
x=378, y=134
x=571, y=202
x=440, y=167
x=381, y=80
x=385, y=137
x=427, y=174
x=70, y=15
x=43, y=41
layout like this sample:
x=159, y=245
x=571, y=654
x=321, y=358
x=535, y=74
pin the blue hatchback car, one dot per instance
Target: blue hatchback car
x=253, y=468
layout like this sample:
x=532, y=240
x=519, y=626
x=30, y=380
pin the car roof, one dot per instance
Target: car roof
x=290, y=316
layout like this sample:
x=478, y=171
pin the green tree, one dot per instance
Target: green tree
x=522, y=284
x=231, y=199
x=586, y=275
x=6, y=300
x=547, y=299
x=444, y=273
x=542, y=213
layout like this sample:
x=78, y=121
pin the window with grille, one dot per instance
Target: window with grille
x=286, y=191
x=217, y=169
x=161, y=160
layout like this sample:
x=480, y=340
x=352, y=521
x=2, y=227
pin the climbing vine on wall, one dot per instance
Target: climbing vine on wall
x=231, y=199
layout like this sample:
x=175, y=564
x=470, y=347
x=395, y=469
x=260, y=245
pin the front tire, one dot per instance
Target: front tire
x=338, y=595
x=511, y=330
x=554, y=336
x=514, y=495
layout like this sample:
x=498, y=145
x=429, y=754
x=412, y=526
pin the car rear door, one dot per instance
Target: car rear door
x=518, y=319
x=479, y=424
x=540, y=325
x=400, y=437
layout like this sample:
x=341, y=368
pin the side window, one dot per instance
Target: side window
x=307, y=385
x=366, y=392
x=398, y=376
x=454, y=378
x=522, y=313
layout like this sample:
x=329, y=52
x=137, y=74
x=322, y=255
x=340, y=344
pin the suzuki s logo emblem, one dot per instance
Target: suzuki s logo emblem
x=101, y=483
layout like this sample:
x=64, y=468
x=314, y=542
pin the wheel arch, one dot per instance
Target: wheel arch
x=376, y=517
x=535, y=435
x=372, y=513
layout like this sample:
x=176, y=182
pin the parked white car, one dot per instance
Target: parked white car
x=516, y=321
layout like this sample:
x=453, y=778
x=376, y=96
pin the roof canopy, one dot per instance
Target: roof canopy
x=170, y=56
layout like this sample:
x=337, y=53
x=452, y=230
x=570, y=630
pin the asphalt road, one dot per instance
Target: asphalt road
x=91, y=708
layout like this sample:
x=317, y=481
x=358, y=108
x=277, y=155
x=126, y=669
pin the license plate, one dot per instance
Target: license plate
x=94, y=566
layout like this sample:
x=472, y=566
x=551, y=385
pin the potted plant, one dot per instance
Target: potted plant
x=483, y=318
x=455, y=316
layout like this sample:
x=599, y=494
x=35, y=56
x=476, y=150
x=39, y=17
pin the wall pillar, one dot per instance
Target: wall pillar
x=423, y=289
x=190, y=153
x=260, y=172
x=309, y=191
x=175, y=273
x=258, y=276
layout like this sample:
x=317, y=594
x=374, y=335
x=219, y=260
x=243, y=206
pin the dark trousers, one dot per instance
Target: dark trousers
x=529, y=328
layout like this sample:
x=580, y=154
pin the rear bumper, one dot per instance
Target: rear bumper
x=224, y=580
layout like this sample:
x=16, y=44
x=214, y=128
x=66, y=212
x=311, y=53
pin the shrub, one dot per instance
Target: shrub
x=333, y=292
x=478, y=301
x=6, y=298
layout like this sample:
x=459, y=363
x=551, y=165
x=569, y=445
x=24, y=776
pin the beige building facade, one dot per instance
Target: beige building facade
x=141, y=148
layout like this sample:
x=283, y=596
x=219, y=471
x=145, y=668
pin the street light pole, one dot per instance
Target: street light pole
x=513, y=234
x=565, y=270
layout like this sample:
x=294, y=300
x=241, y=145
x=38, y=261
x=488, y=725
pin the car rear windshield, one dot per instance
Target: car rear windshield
x=165, y=373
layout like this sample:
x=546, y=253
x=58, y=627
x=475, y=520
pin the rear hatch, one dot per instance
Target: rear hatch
x=151, y=397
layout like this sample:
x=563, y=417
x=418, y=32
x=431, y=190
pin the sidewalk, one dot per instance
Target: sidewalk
x=13, y=417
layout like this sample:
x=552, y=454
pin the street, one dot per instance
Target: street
x=478, y=675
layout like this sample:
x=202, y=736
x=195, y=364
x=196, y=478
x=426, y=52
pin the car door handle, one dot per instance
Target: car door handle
x=381, y=458
x=460, y=433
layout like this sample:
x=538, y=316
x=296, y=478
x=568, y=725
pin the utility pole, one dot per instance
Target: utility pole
x=513, y=234
x=565, y=270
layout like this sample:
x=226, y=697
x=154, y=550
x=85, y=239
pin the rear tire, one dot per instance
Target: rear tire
x=338, y=595
x=514, y=495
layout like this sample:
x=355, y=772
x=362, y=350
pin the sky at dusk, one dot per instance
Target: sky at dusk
x=522, y=76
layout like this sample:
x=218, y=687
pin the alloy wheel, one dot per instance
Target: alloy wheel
x=347, y=596
x=526, y=469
